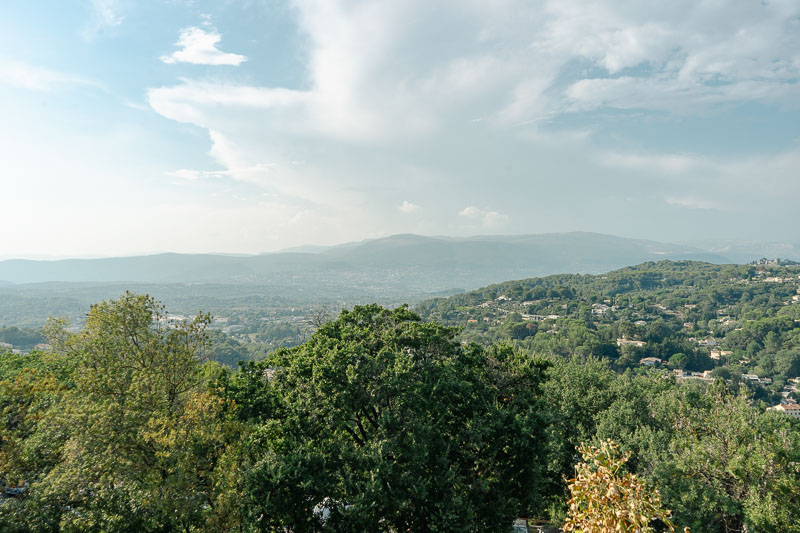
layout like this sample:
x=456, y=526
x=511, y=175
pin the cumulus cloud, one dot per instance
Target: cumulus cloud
x=389, y=108
x=679, y=55
x=488, y=219
x=199, y=46
x=507, y=63
x=408, y=207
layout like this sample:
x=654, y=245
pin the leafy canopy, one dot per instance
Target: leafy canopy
x=383, y=422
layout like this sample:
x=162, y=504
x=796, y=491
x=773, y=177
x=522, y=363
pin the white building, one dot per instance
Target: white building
x=650, y=361
x=791, y=409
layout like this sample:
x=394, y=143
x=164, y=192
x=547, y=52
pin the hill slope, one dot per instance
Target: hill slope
x=737, y=320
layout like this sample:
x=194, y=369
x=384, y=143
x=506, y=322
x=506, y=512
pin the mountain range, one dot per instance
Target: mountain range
x=399, y=261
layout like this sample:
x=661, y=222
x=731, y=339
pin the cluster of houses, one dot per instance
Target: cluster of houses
x=601, y=309
x=717, y=354
x=8, y=347
x=503, y=305
x=778, y=279
x=538, y=318
x=752, y=379
x=683, y=375
x=624, y=341
x=755, y=380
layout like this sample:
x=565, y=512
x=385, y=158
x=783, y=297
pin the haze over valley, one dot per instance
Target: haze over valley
x=391, y=270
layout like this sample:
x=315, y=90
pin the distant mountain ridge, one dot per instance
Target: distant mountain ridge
x=746, y=251
x=407, y=260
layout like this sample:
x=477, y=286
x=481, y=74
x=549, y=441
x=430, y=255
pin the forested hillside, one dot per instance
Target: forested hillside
x=736, y=321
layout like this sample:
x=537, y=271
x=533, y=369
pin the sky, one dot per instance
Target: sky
x=248, y=126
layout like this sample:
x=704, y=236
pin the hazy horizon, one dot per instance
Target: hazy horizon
x=136, y=128
x=305, y=247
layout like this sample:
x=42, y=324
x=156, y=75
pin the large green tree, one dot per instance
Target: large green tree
x=139, y=435
x=381, y=422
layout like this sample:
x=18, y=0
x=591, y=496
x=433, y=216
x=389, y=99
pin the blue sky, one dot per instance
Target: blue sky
x=250, y=126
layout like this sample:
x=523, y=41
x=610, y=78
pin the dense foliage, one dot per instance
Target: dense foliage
x=381, y=421
x=718, y=460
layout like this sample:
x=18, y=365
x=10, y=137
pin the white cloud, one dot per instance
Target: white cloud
x=670, y=164
x=199, y=46
x=186, y=174
x=731, y=183
x=764, y=173
x=682, y=55
x=105, y=14
x=488, y=219
x=692, y=202
x=376, y=76
x=408, y=207
x=24, y=76
x=193, y=175
x=389, y=107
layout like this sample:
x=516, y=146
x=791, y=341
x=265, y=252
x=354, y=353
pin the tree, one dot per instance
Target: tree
x=603, y=497
x=678, y=360
x=576, y=391
x=142, y=432
x=382, y=422
x=728, y=466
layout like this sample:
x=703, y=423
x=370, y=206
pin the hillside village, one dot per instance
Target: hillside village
x=694, y=320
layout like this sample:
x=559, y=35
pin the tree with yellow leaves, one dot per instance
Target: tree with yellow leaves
x=605, y=498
